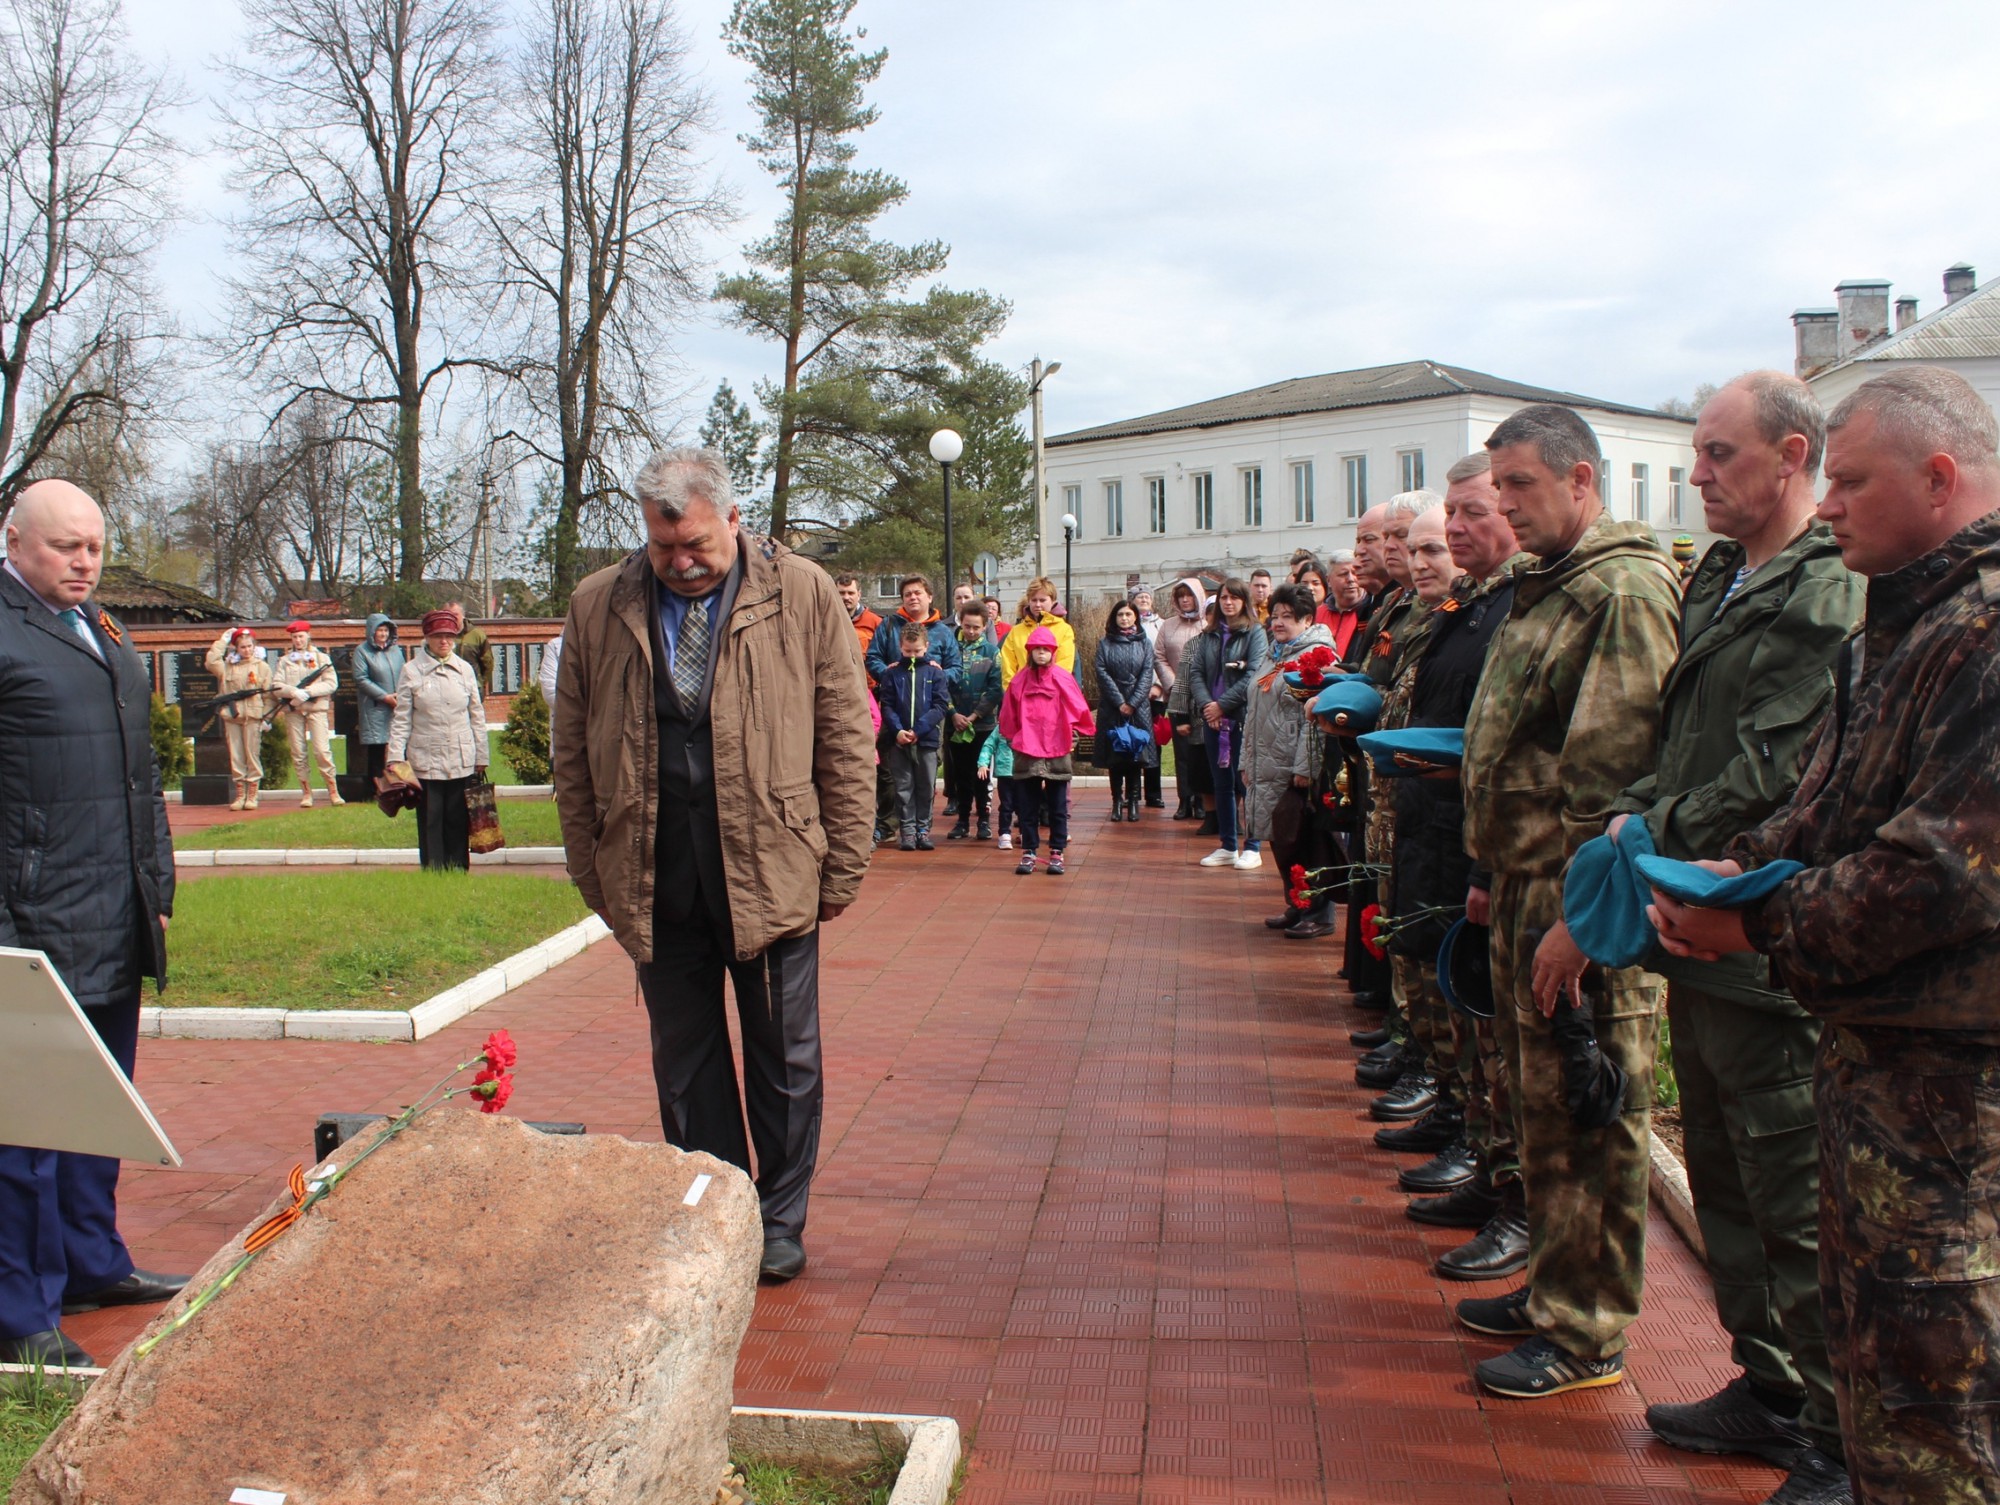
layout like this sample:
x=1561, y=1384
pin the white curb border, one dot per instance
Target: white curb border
x=355, y=857
x=282, y=796
x=1670, y=1189
x=418, y=1022
x=853, y=1439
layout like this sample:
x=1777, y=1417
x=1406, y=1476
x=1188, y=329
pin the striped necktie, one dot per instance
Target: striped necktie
x=691, y=653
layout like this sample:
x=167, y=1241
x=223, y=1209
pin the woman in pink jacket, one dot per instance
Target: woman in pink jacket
x=1041, y=715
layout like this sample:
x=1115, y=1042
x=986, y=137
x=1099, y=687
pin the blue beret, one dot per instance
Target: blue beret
x=1698, y=886
x=1605, y=899
x=1443, y=746
x=1465, y=968
x=1350, y=706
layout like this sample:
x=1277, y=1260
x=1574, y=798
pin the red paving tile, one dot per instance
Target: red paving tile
x=1095, y=1180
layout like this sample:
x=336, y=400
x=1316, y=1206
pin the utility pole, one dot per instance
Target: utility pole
x=486, y=534
x=1037, y=374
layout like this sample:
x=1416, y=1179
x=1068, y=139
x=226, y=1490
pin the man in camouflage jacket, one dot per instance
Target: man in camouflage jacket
x=1565, y=718
x=1762, y=621
x=1891, y=937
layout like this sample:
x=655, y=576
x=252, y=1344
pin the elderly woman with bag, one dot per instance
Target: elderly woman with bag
x=439, y=729
x=1125, y=742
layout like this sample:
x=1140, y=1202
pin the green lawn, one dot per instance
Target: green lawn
x=527, y=823
x=376, y=938
x=499, y=770
x=30, y=1409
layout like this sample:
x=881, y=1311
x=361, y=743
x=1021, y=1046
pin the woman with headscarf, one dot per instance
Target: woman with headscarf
x=1191, y=783
x=377, y=664
x=439, y=729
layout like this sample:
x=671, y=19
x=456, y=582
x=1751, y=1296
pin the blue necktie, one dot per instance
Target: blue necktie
x=74, y=616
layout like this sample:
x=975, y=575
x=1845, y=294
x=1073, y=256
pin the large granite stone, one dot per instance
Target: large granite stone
x=480, y=1313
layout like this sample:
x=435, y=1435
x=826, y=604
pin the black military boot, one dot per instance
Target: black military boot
x=1382, y=1066
x=1368, y=1039
x=1442, y=1126
x=1454, y=1165
x=1472, y=1205
x=1414, y=1095
x=1501, y=1247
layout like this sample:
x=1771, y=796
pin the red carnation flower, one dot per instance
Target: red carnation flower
x=500, y=1051
x=492, y=1088
x=1371, y=931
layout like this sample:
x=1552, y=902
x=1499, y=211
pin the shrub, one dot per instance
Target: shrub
x=526, y=740
x=170, y=743
x=275, y=748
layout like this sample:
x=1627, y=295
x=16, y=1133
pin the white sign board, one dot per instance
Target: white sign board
x=59, y=1087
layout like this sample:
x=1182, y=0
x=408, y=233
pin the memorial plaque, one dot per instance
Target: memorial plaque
x=59, y=1087
x=194, y=687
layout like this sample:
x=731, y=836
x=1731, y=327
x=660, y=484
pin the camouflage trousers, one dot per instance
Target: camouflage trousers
x=1430, y=1024
x=1751, y=1142
x=1585, y=1188
x=1909, y=1260
x=1489, y=1103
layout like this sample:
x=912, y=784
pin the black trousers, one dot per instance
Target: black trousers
x=777, y=1008
x=961, y=766
x=444, y=827
x=377, y=755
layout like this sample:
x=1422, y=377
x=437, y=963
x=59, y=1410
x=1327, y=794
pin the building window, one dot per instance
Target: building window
x=1676, y=486
x=1302, y=491
x=885, y=586
x=1156, y=504
x=1073, y=505
x=1114, y=509
x=1411, y=464
x=1641, y=484
x=1356, y=468
x=1604, y=484
x=1203, y=485
x=1253, y=497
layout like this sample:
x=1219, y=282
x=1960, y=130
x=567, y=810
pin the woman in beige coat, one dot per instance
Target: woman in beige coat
x=439, y=729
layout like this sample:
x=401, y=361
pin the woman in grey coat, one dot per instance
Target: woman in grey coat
x=1280, y=750
x=377, y=664
x=1124, y=698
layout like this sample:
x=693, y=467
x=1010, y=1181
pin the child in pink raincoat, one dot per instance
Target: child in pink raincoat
x=1041, y=716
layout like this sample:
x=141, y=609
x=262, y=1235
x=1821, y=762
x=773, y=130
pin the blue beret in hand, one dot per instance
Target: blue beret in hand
x=1705, y=890
x=1437, y=746
x=1349, y=707
x=1605, y=899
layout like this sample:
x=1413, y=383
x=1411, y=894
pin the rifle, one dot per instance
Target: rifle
x=285, y=705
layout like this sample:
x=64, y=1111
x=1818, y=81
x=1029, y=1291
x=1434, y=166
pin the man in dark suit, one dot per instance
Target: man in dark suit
x=87, y=876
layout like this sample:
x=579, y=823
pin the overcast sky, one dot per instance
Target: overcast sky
x=1182, y=199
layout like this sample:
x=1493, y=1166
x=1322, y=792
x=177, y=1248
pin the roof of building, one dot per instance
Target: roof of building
x=1372, y=386
x=122, y=588
x=1957, y=331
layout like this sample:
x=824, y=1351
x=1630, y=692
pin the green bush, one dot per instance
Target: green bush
x=275, y=748
x=1666, y=1087
x=170, y=743
x=526, y=740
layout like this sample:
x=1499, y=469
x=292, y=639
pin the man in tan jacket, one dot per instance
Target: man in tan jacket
x=715, y=779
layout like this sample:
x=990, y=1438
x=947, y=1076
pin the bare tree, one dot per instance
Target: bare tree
x=360, y=129
x=83, y=198
x=599, y=236
x=226, y=521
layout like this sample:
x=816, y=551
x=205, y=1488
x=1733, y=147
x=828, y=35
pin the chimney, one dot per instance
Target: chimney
x=1958, y=281
x=1816, y=335
x=1906, y=313
x=1864, y=313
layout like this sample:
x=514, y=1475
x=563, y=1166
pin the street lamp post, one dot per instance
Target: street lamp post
x=1069, y=536
x=1037, y=374
x=946, y=447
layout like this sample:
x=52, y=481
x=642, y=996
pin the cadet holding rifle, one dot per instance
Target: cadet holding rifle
x=242, y=706
x=303, y=682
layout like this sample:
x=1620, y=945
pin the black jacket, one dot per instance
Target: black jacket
x=86, y=864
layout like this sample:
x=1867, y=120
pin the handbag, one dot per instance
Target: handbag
x=1163, y=731
x=483, y=833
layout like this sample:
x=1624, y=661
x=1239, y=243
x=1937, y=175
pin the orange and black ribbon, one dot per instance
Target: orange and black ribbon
x=278, y=1222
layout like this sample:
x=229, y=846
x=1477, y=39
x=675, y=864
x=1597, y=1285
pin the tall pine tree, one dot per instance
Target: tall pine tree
x=874, y=356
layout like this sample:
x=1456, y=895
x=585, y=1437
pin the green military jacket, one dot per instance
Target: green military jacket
x=1755, y=675
x=1567, y=713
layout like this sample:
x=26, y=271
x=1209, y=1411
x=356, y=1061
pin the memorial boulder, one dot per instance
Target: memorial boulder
x=480, y=1314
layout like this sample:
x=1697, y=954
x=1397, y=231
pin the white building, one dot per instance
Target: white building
x=1840, y=348
x=1227, y=485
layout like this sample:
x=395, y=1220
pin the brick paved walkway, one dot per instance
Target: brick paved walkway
x=1095, y=1180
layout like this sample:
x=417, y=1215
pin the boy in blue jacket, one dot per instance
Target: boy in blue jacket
x=916, y=696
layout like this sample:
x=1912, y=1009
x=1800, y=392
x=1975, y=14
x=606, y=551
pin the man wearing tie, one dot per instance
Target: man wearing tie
x=715, y=779
x=87, y=876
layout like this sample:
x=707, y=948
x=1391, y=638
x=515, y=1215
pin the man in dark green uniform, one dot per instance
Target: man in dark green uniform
x=1890, y=935
x=1764, y=617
